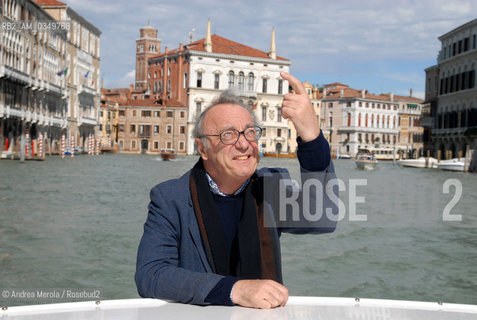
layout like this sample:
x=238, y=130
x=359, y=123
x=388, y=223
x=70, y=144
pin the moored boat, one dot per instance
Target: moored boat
x=422, y=162
x=456, y=164
x=5, y=154
x=344, y=156
x=77, y=150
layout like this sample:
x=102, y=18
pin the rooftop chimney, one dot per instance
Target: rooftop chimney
x=391, y=96
x=410, y=92
x=273, y=48
x=208, y=39
x=341, y=93
x=363, y=93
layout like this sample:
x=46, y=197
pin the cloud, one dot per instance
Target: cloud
x=123, y=82
x=409, y=77
x=92, y=6
x=319, y=37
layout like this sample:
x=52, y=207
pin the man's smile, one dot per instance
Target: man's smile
x=242, y=157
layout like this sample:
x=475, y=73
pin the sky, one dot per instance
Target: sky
x=379, y=45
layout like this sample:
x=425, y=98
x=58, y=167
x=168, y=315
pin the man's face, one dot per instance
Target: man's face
x=228, y=165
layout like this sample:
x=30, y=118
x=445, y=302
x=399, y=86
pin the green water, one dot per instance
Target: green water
x=76, y=223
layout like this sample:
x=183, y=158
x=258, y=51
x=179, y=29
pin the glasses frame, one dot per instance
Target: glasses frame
x=259, y=129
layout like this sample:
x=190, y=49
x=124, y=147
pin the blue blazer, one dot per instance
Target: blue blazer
x=171, y=262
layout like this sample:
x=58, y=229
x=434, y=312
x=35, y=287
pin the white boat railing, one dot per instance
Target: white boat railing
x=296, y=308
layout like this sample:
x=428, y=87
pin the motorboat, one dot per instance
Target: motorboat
x=168, y=154
x=296, y=308
x=422, y=162
x=456, y=164
x=365, y=160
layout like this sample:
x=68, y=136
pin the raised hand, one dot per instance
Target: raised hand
x=298, y=108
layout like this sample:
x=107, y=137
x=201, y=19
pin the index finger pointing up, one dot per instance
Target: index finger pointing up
x=294, y=82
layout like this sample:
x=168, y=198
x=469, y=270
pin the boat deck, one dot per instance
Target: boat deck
x=296, y=308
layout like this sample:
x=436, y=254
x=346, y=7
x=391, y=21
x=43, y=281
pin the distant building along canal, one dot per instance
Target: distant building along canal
x=451, y=97
x=48, y=79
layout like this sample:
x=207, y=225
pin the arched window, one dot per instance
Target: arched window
x=359, y=120
x=231, y=79
x=241, y=81
x=366, y=120
x=251, y=80
x=349, y=119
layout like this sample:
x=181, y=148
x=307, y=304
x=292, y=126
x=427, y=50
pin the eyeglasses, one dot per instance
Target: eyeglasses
x=231, y=136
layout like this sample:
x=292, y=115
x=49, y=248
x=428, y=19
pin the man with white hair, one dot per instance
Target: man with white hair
x=208, y=238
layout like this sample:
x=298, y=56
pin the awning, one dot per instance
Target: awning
x=412, y=105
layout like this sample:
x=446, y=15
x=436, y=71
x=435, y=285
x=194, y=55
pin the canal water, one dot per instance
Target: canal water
x=76, y=223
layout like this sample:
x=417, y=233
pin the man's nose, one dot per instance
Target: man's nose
x=241, y=143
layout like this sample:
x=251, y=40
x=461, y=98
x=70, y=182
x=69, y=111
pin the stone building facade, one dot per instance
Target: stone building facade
x=81, y=71
x=353, y=119
x=48, y=77
x=454, y=124
x=195, y=73
x=146, y=126
x=429, y=109
x=111, y=99
x=33, y=98
x=410, y=137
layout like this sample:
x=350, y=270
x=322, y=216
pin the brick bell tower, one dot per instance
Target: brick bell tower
x=147, y=46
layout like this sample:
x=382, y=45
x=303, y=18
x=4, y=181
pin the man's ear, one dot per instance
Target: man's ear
x=201, y=148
